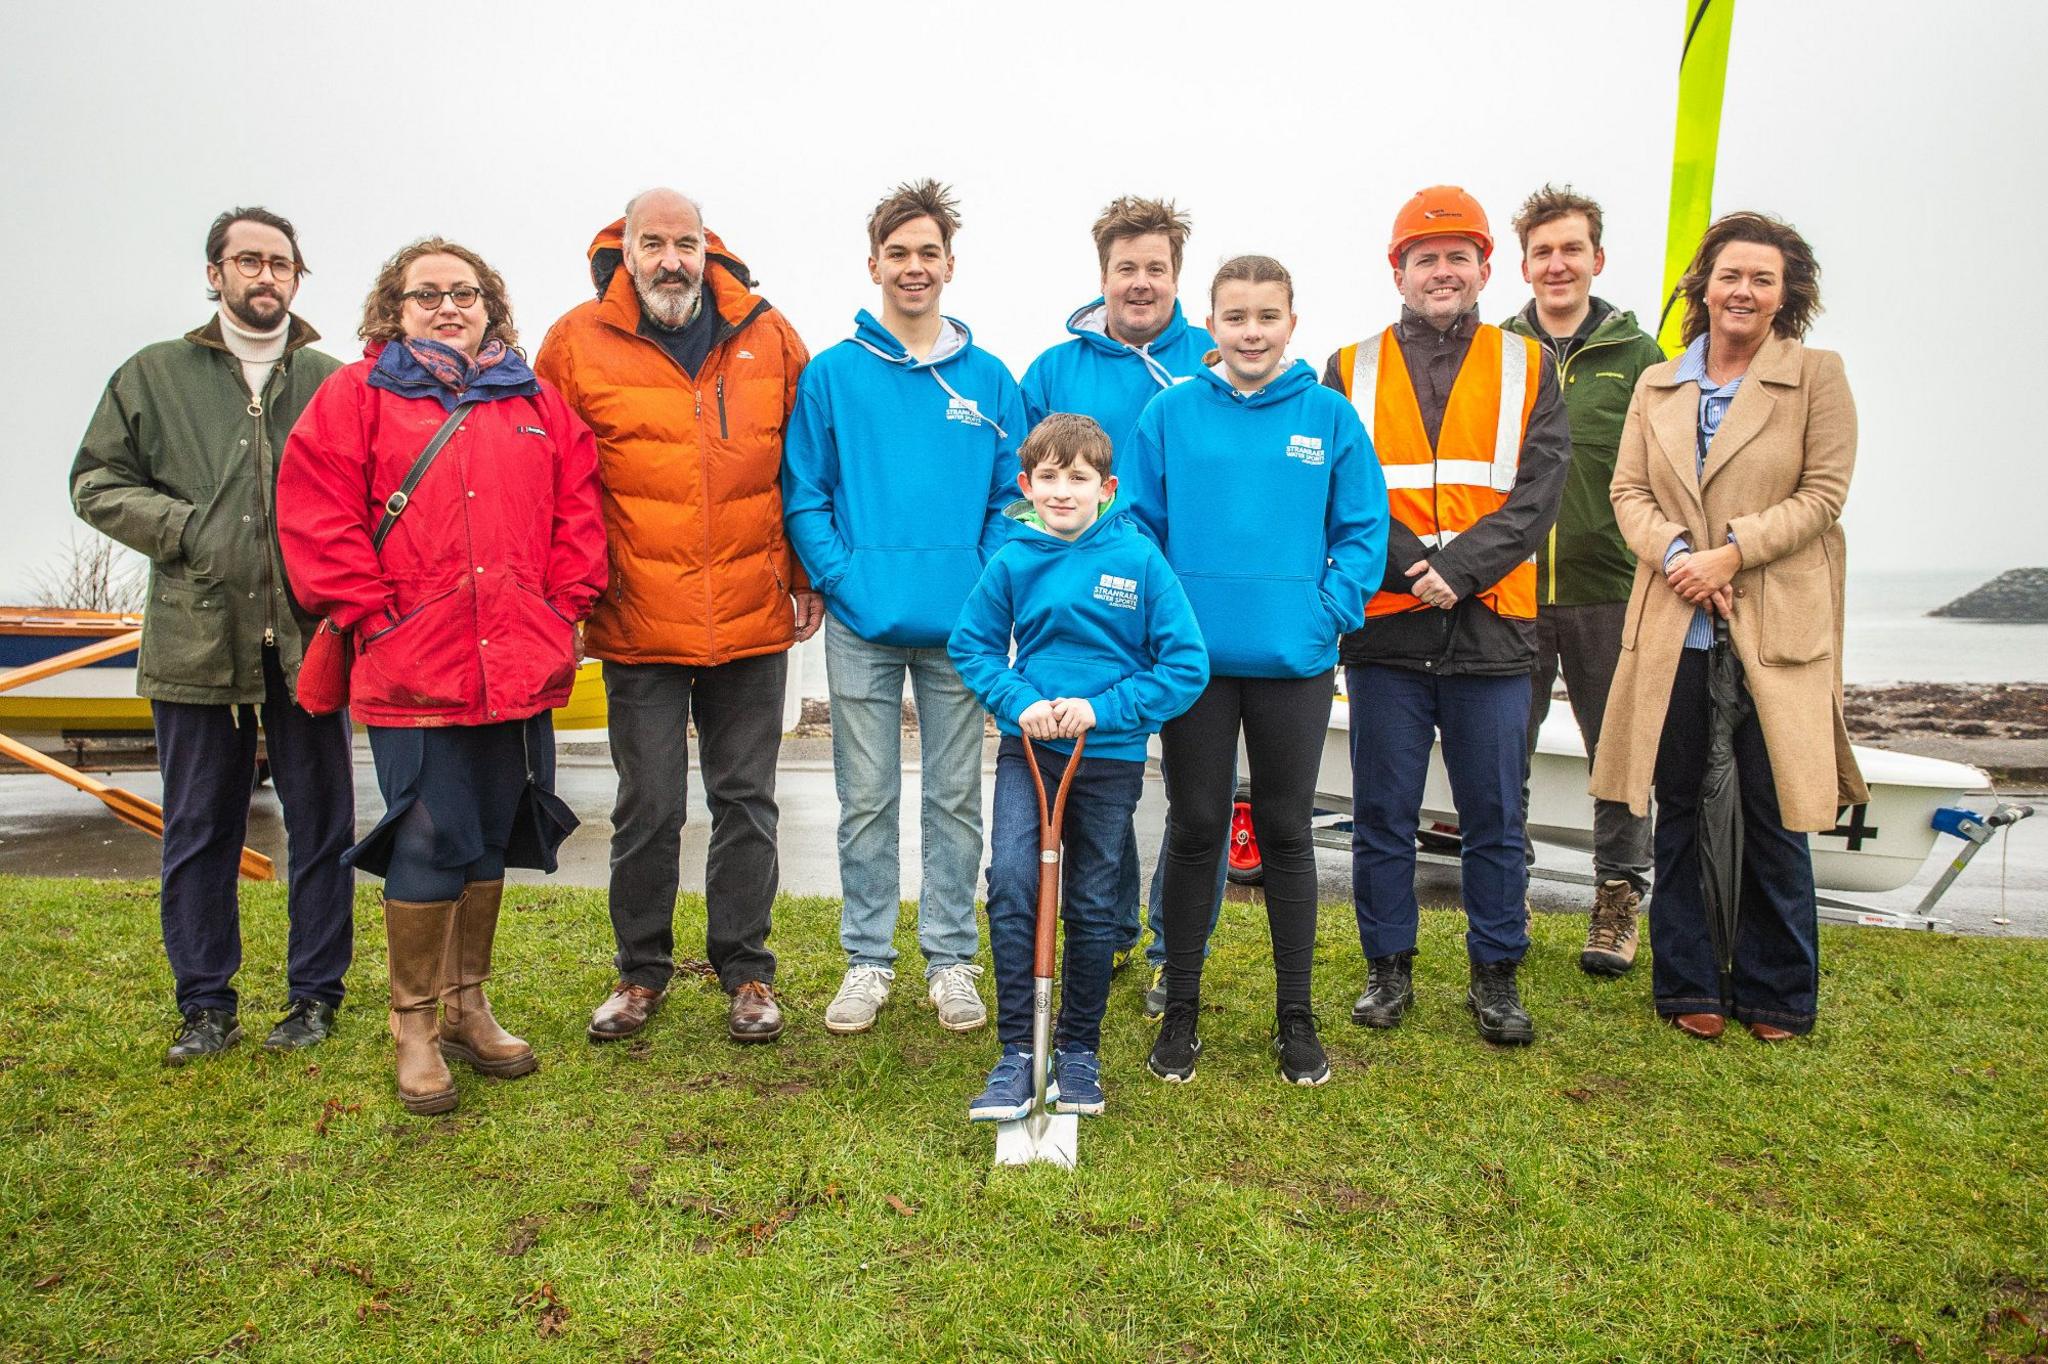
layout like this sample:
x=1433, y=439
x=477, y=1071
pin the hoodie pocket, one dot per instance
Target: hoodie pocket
x=1261, y=626
x=908, y=598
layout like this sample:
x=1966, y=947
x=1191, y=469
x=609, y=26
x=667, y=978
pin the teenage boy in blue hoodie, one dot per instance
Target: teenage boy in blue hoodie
x=1107, y=646
x=895, y=473
x=1129, y=345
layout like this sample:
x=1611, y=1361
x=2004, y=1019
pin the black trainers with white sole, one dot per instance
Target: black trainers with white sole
x=1298, y=1049
x=1175, y=1049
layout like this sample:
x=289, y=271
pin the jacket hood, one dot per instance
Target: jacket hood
x=870, y=335
x=726, y=279
x=1290, y=382
x=299, y=332
x=1090, y=322
x=1113, y=524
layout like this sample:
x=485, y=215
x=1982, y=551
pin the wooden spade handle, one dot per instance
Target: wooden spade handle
x=1050, y=823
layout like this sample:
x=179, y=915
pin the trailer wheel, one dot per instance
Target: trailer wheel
x=1245, y=868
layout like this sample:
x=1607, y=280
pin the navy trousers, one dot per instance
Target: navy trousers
x=1395, y=714
x=208, y=757
x=1777, y=942
x=1096, y=832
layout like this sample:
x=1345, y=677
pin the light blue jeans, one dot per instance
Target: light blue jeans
x=866, y=685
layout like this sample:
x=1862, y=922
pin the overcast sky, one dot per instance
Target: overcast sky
x=1894, y=135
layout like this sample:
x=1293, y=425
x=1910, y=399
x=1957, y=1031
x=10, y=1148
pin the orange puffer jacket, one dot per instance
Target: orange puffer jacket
x=701, y=572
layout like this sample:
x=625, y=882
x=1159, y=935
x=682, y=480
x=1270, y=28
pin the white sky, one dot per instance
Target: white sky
x=1895, y=135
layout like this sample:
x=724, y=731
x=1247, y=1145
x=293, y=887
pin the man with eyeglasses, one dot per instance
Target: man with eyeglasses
x=687, y=376
x=180, y=465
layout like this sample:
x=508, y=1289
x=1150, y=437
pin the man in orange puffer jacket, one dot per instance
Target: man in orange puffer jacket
x=687, y=378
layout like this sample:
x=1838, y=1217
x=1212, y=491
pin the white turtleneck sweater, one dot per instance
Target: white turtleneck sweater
x=258, y=351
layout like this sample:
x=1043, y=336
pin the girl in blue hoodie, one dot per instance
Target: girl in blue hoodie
x=1105, y=646
x=1262, y=488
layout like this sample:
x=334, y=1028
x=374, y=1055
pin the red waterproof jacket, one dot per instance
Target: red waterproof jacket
x=467, y=617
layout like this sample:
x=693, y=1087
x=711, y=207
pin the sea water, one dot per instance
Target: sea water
x=1891, y=638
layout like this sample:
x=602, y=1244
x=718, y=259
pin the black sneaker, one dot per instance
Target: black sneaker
x=204, y=1032
x=1389, y=990
x=1497, y=1005
x=1155, y=995
x=306, y=1023
x=1298, y=1049
x=1175, y=1049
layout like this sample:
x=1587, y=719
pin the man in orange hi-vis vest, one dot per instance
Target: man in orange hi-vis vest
x=1475, y=444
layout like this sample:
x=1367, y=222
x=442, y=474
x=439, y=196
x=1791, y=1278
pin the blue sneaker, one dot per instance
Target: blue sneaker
x=1080, y=1082
x=1008, y=1094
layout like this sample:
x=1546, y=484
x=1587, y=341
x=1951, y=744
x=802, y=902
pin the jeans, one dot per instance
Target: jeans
x=1395, y=713
x=208, y=756
x=1283, y=720
x=1127, y=891
x=1777, y=940
x=1096, y=831
x=1586, y=640
x=737, y=708
x=865, y=682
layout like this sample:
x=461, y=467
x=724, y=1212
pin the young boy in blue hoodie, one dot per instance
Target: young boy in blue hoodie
x=1107, y=646
x=895, y=473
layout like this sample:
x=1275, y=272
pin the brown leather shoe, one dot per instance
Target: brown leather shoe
x=754, y=1017
x=626, y=1012
x=1706, y=1027
x=1769, y=1032
x=415, y=933
x=468, y=1031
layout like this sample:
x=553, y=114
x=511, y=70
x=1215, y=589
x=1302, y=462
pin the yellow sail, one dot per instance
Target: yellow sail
x=1702, y=74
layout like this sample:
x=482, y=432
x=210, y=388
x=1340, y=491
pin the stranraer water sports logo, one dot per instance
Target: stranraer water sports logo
x=963, y=410
x=1307, y=449
x=1117, y=591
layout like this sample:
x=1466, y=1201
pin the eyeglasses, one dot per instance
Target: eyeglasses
x=251, y=264
x=465, y=296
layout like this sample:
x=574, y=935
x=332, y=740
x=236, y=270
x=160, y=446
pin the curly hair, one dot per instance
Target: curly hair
x=909, y=201
x=381, y=310
x=1131, y=216
x=1802, y=272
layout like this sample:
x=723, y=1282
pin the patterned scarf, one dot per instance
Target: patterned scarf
x=449, y=367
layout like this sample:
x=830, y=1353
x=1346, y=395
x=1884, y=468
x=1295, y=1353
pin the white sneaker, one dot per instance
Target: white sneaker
x=861, y=996
x=953, y=994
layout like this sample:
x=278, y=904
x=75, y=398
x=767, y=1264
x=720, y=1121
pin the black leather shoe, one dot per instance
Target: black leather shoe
x=1389, y=990
x=307, y=1023
x=204, y=1032
x=1497, y=1005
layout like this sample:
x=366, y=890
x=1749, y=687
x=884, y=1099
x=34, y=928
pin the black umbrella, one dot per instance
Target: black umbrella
x=1720, y=815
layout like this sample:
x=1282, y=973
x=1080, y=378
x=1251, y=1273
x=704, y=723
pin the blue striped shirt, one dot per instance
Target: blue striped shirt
x=1692, y=368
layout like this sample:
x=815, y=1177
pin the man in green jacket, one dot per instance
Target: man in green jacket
x=1584, y=570
x=180, y=465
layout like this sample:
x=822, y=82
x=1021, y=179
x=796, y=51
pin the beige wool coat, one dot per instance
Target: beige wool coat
x=1776, y=477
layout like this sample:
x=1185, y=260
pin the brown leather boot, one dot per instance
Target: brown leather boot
x=414, y=933
x=468, y=1032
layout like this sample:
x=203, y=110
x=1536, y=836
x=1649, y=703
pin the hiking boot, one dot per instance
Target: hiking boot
x=469, y=1032
x=951, y=991
x=1077, y=1075
x=753, y=1016
x=1389, y=990
x=861, y=996
x=1175, y=1049
x=202, y=1033
x=1300, y=1051
x=1611, y=932
x=1497, y=1005
x=1008, y=1094
x=306, y=1023
x=1155, y=995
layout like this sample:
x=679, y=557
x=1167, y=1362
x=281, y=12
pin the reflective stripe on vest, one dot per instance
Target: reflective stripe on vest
x=1485, y=421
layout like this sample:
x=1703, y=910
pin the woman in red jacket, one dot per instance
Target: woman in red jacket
x=465, y=625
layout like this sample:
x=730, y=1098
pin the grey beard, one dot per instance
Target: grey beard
x=667, y=310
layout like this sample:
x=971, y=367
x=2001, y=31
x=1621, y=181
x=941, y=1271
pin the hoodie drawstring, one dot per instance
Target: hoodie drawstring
x=954, y=394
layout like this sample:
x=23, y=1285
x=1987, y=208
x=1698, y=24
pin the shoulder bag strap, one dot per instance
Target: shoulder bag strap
x=396, y=503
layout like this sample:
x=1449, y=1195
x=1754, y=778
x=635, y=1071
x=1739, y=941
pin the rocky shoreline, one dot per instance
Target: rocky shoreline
x=2017, y=596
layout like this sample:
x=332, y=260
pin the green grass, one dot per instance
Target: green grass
x=1615, y=1192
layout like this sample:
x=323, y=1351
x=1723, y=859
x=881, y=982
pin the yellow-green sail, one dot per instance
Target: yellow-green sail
x=1702, y=73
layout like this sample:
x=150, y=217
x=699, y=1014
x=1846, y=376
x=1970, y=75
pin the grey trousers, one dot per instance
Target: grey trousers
x=738, y=711
x=1586, y=640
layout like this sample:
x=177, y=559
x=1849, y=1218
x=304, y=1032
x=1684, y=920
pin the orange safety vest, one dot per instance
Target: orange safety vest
x=1440, y=492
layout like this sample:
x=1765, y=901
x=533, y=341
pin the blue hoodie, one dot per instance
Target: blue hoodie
x=1101, y=377
x=1100, y=617
x=895, y=473
x=1271, y=508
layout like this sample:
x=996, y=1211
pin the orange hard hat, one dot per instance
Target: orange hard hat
x=1439, y=211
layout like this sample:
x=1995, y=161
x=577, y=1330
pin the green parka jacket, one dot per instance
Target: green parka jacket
x=180, y=464
x=1584, y=560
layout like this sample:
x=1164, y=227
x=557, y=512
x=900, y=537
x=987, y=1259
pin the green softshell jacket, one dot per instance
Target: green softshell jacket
x=1584, y=560
x=180, y=464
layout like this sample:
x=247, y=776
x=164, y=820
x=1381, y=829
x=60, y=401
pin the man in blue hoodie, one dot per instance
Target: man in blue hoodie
x=1128, y=345
x=1106, y=646
x=895, y=473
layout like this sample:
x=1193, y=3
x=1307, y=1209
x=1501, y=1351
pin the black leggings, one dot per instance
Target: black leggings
x=1284, y=720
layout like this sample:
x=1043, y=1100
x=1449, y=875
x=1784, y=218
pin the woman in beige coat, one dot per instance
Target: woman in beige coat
x=1734, y=464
